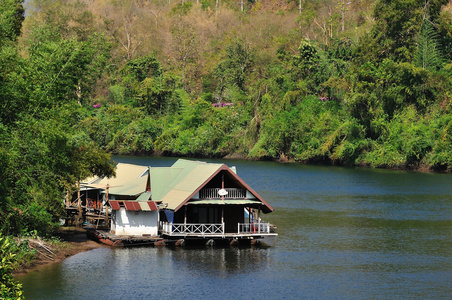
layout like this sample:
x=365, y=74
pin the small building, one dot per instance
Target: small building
x=207, y=201
x=189, y=200
x=129, y=208
x=135, y=217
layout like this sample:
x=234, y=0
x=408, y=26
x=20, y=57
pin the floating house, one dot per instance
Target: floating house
x=191, y=200
x=207, y=201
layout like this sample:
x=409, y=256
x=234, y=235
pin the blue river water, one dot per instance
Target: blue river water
x=344, y=233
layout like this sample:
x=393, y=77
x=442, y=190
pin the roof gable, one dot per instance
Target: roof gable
x=176, y=185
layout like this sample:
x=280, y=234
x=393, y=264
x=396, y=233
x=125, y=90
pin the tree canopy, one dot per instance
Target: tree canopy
x=364, y=83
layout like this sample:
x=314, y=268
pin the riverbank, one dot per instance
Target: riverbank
x=70, y=241
x=416, y=168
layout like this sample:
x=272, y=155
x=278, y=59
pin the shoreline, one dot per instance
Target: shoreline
x=73, y=241
x=419, y=168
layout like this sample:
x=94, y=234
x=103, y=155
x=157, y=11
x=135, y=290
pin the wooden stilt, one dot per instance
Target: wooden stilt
x=259, y=220
x=68, y=199
x=106, y=207
x=255, y=242
x=79, y=206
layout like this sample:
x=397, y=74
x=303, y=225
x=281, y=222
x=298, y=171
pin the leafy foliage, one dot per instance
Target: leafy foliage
x=12, y=14
x=333, y=85
x=317, y=92
x=44, y=80
x=234, y=69
x=428, y=52
x=9, y=288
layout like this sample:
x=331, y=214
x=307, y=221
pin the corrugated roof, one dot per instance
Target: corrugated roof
x=131, y=188
x=134, y=205
x=175, y=186
x=144, y=197
x=130, y=180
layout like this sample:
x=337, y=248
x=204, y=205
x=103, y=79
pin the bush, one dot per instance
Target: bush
x=30, y=217
x=9, y=289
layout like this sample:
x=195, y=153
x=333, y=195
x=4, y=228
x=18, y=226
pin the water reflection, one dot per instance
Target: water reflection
x=343, y=233
x=221, y=262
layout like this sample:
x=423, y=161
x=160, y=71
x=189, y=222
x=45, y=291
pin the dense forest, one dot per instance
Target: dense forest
x=358, y=83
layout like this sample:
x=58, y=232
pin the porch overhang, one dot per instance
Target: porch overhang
x=133, y=205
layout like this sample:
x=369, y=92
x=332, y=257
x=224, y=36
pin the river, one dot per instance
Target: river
x=344, y=233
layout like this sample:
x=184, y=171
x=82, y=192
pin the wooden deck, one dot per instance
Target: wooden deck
x=216, y=231
x=219, y=236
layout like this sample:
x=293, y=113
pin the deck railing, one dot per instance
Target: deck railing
x=177, y=228
x=213, y=229
x=212, y=193
x=252, y=228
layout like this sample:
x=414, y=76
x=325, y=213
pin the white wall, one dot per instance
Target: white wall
x=127, y=222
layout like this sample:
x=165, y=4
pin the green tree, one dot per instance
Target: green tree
x=64, y=69
x=12, y=14
x=235, y=67
x=136, y=138
x=428, y=51
x=44, y=157
x=181, y=8
x=405, y=141
x=307, y=58
x=156, y=95
x=142, y=67
x=146, y=86
x=102, y=126
x=397, y=24
x=445, y=31
x=40, y=88
x=9, y=288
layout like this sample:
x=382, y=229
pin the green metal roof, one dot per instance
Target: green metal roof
x=175, y=184
x=130, y=180
x=131, y=188
x=144, y=197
